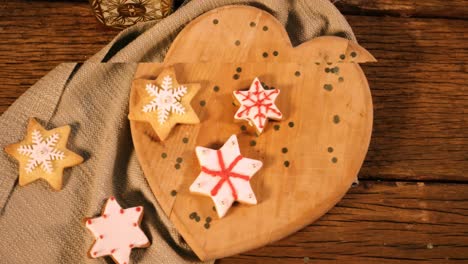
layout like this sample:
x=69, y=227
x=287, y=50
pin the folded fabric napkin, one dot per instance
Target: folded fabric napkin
x=38, y=225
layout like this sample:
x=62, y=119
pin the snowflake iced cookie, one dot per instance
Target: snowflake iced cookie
x=117, y=231
x=164, y=103
x=43, y=154
x=225, y=175
x=257, y=105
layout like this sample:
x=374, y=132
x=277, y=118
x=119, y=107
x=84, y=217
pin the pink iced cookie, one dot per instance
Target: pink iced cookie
x=257, y=105
x=117, y=231
x=225, y=175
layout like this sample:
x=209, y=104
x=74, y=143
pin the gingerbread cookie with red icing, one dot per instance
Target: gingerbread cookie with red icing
x=225, y=175
x=117, y=231
x=257, y=105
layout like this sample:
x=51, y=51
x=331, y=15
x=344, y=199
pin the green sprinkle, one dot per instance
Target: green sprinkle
x=342, y=56
x=253, y=24
x=276, y=127
x=336, y=119
x=341, y=79
x=335, y=70
x=330, y=149
x=353, y=54
x=164, y=155
x=328, y=87
x=177, y=166
x=291, y=124
x=297, y=73
x=197, y=218
x=334, y=160
x=214, y=208
x=286, y=163
x=193, y=215
x=173, y=192
x=179, y=160
x=202, y=103
x=275, y=53
x=237, y=43
x=239, y=69
x=265, y=54
x=216, y=88
x=243, y=128
x=253, y=143
x=185, y=140
x=206, y=225
x=284, y=150
x=236, y=76
x=215, y=21
x=265, y=28
x=208, y=219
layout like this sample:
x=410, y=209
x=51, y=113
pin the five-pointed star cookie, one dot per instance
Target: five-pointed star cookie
x=43, y=154
x=117, y=231
x=225, y=175
x=257, y=105
x=164, y=103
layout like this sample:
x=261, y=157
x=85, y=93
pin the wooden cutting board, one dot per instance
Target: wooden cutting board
x=310, y=158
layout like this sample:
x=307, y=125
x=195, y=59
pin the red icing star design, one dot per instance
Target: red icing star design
x=257, y=105
x=225, y=175
x=117, y=231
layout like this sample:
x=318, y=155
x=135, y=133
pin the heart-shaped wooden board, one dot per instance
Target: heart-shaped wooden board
x=310, y=158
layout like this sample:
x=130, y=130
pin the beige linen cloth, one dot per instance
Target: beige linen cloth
x=38, y=225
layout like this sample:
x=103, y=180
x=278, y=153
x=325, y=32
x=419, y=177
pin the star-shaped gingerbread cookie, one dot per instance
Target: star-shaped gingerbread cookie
x=164, y=103
x=257, y=105
x=225, y=175
x=117, y=231
x=43, y=154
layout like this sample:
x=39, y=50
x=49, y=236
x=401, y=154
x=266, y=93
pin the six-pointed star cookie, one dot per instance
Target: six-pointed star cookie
x=225, y=175
x=164, y=103
x=117, y=231
x=43, y=154
x=257, y=105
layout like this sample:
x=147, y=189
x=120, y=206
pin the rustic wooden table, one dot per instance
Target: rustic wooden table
x=412, y=203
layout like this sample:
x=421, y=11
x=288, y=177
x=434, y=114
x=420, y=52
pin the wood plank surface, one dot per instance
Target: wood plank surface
x=405, y=8
x=37, y=36
x=380, y=222
x=419, y=93
x=420, y=97
x=417, y=85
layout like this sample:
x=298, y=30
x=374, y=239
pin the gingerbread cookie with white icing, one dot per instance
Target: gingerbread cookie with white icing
x=225, y=175
x=43, y=154
x=117, y=231
x=164, y=103
x=257, y=105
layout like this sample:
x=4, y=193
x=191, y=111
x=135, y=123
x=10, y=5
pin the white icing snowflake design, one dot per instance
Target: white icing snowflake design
x=41, y=152
x=166, y=99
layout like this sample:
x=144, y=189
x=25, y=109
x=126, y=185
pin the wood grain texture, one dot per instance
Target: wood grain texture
x=315, y=119
x=37, y=36
x=420, y=98
x=380, y=222
x=422, y=52
x=417, y=86
x=405, y=8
